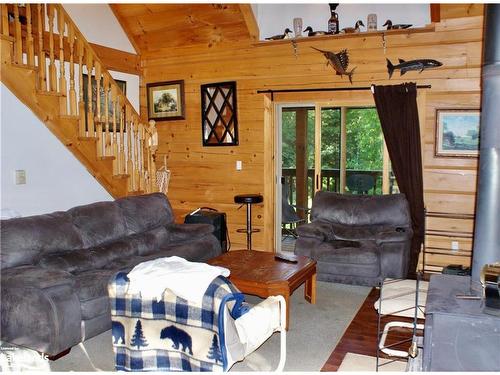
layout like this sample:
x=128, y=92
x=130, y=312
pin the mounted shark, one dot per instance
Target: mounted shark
x=405, y=66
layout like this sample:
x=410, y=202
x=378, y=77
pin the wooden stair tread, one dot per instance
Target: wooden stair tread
x=69, y=117
x=50, y=93
x=137, y=192
x=106, y=158
x=120, y=176
x=93, y=139
x=25, y=66
x=7, y=38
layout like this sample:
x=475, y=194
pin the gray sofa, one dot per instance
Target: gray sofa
x=357, y=239
x=55, y=268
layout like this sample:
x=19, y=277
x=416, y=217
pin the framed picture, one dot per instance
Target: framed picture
x=457, y=132
x=166, y=100
x=121, y=84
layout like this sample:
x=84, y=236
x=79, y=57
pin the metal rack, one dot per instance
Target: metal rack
x=433, y=250
x=416, y=341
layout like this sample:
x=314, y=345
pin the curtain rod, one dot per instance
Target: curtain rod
x=272, y=91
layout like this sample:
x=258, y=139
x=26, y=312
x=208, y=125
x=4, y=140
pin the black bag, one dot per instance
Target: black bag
x=207, y=215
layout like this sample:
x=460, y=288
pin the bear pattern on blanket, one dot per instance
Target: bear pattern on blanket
x=178, y=336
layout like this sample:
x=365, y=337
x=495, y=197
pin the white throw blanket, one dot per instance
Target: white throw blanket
x=188, y=280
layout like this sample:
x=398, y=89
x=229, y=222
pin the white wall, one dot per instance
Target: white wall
x=99, y=25
x=274, y=18
x=55, y=178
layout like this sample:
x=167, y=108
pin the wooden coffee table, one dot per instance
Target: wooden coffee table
x=259, y=273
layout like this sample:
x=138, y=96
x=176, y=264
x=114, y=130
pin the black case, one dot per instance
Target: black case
x=206, y=215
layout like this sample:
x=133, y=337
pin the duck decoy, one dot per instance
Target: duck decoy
x=310, y=32
x=398, y=26
x=355, y=29
x=286, y=35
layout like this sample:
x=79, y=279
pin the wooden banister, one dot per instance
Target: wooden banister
x=45, y=33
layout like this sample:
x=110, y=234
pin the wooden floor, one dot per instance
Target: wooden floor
x=361, y=335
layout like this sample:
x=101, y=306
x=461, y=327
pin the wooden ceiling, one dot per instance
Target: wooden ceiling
x=155, y=26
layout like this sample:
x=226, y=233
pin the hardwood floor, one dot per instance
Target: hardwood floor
x=361, y=335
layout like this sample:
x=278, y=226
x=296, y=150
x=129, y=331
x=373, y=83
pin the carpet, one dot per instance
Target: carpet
x=314, y=332
x=359, y=362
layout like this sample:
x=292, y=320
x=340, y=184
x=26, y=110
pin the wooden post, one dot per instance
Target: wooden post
x=52, y=65
x=30, y=49
x=301, y=159
x=18, y=43
x=62, y=69
x=72, y=92
x=5, y=19
x=81, y=102
x=107, y=142
x=41, y=53
x=343, y=149
x=90, y=113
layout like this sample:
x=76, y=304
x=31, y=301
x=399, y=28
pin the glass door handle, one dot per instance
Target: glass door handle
x=317, y=182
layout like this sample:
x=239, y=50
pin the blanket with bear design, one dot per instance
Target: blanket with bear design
x=172, y=334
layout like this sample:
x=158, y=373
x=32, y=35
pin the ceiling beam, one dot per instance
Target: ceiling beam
x=250, y=21
x=124, y=26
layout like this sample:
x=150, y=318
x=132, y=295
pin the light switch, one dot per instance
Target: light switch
x=239, y=165
x=20, y=177
x=454, y=245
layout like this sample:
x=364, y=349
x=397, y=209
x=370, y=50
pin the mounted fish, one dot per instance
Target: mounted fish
x=405, y=66
x=287, y=34
x=338, y=61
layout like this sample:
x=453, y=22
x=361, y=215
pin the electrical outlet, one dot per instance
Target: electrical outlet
x=20, y=177
x=239, y=165
x=454, y=245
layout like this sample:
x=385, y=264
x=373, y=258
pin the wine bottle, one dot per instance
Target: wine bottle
x=333, y=22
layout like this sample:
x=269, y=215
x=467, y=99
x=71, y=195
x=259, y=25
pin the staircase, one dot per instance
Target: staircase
x=46, y=62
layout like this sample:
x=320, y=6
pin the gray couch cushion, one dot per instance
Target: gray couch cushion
x=98, y=223
x=146, y=212
x=35, y=277
x=361, y=210
x=82, y=260
x=150, y=241
x=92, y=284
x=25, y=239
x=364, y=254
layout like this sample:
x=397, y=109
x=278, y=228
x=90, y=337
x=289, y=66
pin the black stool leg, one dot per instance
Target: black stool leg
x=249, y=226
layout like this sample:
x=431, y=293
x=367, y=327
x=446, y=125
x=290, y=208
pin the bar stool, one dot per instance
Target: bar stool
x=248, y=199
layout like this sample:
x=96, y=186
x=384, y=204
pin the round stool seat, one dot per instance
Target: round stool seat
x=248, y=198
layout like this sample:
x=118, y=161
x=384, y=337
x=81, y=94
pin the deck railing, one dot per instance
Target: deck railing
x=45, y=39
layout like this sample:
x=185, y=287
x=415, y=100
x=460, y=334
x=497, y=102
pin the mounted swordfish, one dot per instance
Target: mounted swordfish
x=338, y=61
x=405, y=66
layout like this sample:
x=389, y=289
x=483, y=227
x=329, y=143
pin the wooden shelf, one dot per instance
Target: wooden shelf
x=416, y=30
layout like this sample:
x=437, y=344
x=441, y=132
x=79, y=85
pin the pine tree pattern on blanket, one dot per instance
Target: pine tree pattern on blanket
x=172, y=334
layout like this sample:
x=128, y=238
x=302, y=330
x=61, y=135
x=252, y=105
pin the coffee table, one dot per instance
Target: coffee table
x=259, y=273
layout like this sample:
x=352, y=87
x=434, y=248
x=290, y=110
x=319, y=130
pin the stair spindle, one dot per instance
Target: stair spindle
x=122, y=135
x=30, y=50
x=72, y=92
x=114, y=134
x=41, y=53
x=82, y=130
x=5, y=20
x=52, y=65
x=18, y=44
x=107, y=140
x=62, y=69
x=90, y=111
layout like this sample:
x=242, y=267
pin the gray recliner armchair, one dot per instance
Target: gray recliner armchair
x=357, y=239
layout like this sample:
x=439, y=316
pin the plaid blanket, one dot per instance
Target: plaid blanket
x=172, y=334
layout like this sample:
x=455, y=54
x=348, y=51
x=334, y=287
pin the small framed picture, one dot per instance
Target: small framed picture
x=457, y=132
x=166, y=100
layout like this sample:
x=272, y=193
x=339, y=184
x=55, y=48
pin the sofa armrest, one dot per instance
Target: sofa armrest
x=398, y=234
x=186, y=232
x=319, y=230
x=40, y=309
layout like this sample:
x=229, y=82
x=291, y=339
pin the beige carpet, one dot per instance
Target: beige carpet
x=359, y=362
x=314, y=333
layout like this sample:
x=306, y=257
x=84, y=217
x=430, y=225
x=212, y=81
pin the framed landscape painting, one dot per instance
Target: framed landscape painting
x=166, y=100
x=457, y=132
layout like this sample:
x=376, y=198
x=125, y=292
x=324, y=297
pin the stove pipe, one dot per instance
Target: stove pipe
x=487, y=223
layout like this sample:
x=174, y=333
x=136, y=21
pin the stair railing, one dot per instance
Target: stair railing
x=45, y=38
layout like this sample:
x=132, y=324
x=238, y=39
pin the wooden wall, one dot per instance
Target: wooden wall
x=206, y=176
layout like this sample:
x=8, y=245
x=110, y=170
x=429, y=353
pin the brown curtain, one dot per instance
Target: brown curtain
x=398, y=113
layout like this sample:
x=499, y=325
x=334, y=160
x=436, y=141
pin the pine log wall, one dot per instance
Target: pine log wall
x=206, y=176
